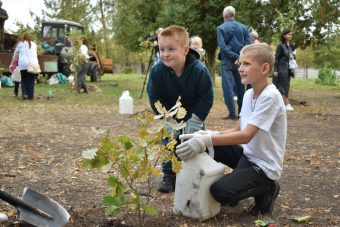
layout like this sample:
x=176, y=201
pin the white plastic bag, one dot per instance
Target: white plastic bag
x=16, y=75
x=53, y=80
x=293, y=64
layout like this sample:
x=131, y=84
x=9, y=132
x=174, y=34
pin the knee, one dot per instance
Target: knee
x=220, y=194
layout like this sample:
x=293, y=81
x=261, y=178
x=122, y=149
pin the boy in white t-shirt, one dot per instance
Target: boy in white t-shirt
x=261, y=130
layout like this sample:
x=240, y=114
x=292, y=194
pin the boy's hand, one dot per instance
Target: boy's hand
x=194, y=124
x=196, y=144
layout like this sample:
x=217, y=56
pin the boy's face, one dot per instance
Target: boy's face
x=172, y=54
x=251, y=71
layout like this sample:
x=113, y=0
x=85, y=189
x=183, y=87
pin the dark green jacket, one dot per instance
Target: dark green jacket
x=194, y=86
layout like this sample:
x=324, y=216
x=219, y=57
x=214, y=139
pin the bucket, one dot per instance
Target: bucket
x=126, y=103
x=192, y=194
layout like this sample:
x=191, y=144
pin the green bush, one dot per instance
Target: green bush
x=127, y=70
x=326, y=76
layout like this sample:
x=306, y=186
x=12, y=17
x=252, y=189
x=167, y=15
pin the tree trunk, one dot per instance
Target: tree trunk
x=211, y=49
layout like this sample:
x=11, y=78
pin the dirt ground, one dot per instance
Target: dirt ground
x=41, y=146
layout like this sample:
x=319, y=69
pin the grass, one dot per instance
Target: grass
x=107, y=92
x=318, y=97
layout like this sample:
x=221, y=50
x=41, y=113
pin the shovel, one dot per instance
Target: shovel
x=37, y=209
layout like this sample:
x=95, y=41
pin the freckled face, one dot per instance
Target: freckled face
x=172, y=54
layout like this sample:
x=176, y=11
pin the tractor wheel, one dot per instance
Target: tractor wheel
x=95, y=74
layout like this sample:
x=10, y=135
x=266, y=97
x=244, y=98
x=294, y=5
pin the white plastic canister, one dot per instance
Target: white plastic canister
x=192, y=194
x=126, y=103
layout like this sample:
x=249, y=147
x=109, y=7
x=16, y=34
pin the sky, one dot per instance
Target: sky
x=18, y=10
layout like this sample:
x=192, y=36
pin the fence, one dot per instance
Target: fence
x=310, y=73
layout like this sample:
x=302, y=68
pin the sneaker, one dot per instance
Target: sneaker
x=231, y=117
x=168, y=183
x=289, y=107
x=265, y=204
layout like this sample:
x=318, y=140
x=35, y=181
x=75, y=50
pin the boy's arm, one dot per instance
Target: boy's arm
x=236, y=137
x=234, y=129
x=153, y=91
x=206, y=96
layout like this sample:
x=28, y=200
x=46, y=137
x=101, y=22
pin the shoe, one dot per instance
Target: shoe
x=265, y=204
x=15, y=95
x=289, y=107
x=231, y=117
x=168, y=183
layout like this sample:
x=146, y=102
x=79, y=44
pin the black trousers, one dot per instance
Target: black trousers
x=246, y=180
x=81, y=77
x=16, y=87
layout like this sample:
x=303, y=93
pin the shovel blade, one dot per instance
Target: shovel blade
x=46, y=204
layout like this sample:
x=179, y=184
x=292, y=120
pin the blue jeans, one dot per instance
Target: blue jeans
x=231, y=86
x=27, y=84
x=166, y=166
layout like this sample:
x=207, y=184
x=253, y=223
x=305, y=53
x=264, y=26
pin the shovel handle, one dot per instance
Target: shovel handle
x=18, y=202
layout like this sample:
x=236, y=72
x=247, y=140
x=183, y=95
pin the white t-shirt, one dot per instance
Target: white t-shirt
x=84, y=50
x=268, y=113
x=26, y=54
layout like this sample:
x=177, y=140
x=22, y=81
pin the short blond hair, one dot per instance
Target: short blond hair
x=262, y=52
x=196, y=39
x=179, y=33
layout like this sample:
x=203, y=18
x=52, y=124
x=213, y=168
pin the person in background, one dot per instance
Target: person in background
x=254, y=37
x=196, y=44
x=261, y=131
x=282, y=73
x=83, y=67
x=3, y=18
x=26, y=52
x=12, y=67
x=231, y=37
x=179, y=74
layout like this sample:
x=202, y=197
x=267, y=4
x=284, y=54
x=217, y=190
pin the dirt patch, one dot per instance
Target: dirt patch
x=41, y=146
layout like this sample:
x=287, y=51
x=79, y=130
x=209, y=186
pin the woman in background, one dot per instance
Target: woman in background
x=26, y=51
x=282, y=74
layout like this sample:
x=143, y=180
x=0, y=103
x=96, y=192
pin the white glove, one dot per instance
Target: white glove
x=196, y=144
x=207, y=132
x=211, y=133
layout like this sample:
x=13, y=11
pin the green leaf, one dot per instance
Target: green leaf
x=126, y=141
x=113, y=181
x=303, y=218
x=90, y=154
x=263, y=223
x=150, y=210
x=113, y=204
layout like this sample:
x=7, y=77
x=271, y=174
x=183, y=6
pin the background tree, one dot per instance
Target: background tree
x=104, y=12
x=74, y=10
